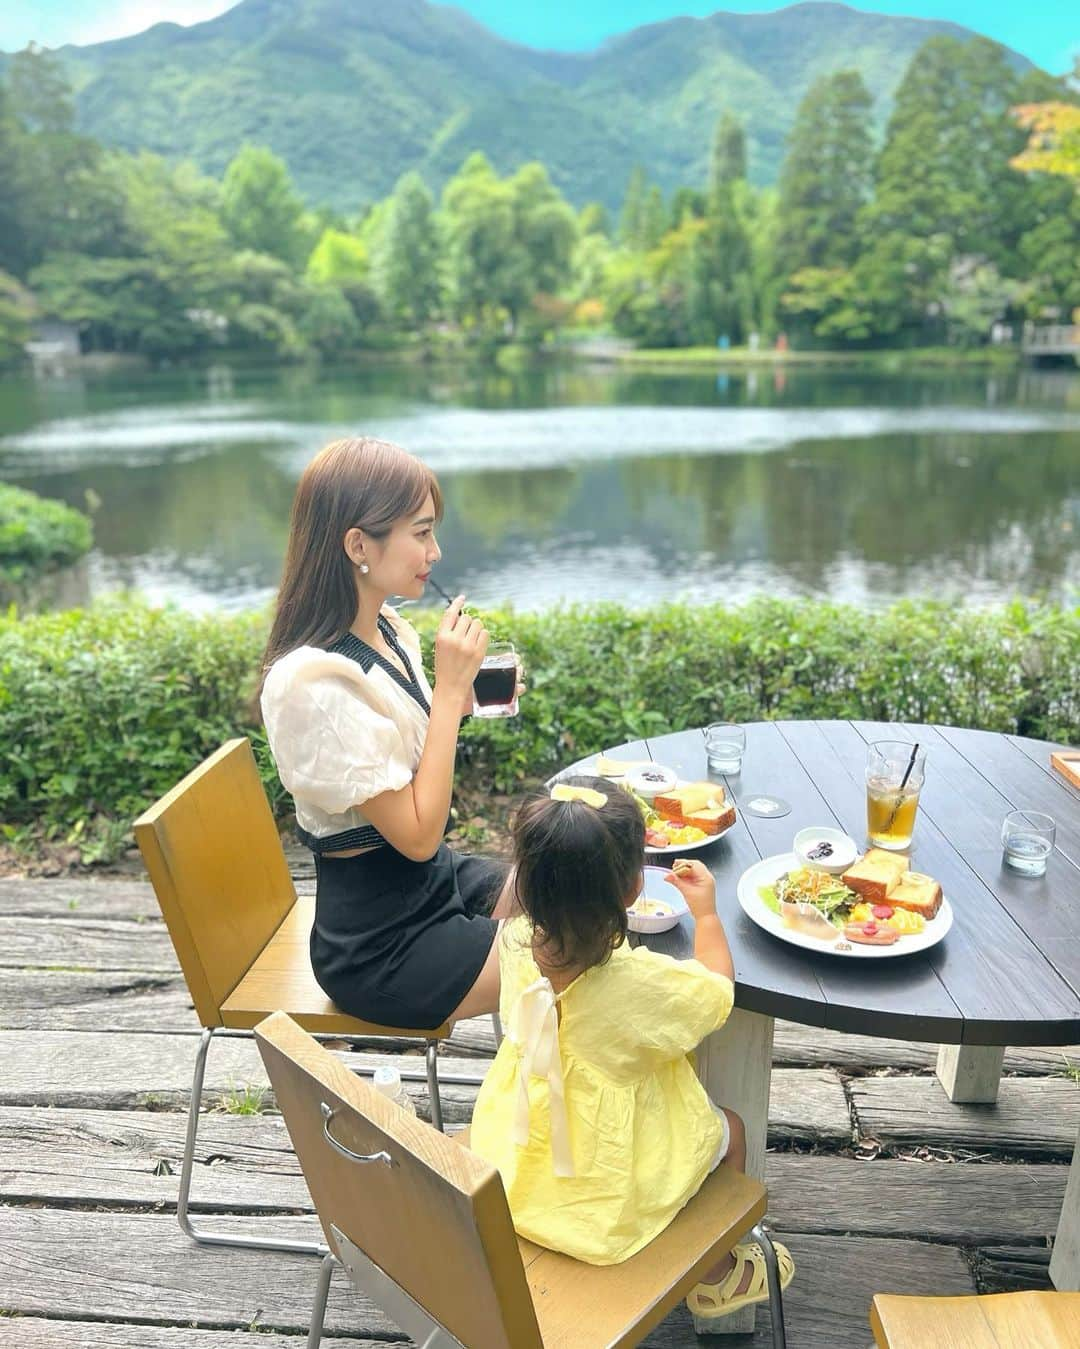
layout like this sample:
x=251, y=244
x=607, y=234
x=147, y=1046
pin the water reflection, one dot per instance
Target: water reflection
x=585, y=483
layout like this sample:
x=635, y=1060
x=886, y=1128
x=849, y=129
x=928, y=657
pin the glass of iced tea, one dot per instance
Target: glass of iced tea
x=495, y=685
x=893, y=783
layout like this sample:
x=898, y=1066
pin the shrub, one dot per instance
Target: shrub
x=37, y=534
x=102, y=710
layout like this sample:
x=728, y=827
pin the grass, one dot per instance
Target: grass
x=892, y=359
x=245, y=1100
x=1071, y=1069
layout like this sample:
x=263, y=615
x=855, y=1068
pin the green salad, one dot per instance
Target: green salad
x=828, y=894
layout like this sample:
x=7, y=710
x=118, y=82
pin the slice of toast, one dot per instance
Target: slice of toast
x=875, y=875
x=919, y=893
x=680, y=802
x=712, y=819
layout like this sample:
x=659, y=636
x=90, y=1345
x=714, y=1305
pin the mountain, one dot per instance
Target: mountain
x=351, y=93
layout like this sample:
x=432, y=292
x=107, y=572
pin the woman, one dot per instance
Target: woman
x=404, y=927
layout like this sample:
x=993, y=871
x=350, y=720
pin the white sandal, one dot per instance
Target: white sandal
x=710, y=1301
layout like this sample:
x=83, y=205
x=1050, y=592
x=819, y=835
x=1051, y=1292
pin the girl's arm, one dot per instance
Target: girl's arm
x=413, y=819
x=694, y=882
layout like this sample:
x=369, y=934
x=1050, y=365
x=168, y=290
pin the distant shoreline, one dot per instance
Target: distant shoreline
x=743, y=358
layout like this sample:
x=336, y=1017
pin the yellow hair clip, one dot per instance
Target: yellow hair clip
x=562, y=791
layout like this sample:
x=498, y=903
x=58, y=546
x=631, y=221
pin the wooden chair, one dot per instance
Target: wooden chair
x=240, y=933
x=993, y=1321
x=423, y=1227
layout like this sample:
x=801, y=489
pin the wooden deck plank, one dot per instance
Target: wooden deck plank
x=77, y=897
x=141, y=1267
x=1033, y=1117
x=34, y=1332
x=95, y=1070
x=76, y=1264
x=133, y=1000
x=132, y=1158
x=121, y=1000
x=86, y=944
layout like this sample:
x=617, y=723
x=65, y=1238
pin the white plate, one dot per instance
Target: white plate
x=673, y=849
x=676, y=849
x=770, y=869
x=655, y=887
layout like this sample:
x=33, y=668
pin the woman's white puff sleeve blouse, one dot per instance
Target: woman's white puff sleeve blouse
x=341, y=734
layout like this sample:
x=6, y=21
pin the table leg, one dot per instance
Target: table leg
x=735, y=1067
x=970, y=1073
x=1065, y=1261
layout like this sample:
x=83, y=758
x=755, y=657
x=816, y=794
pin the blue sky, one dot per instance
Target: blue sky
x=1047, y=31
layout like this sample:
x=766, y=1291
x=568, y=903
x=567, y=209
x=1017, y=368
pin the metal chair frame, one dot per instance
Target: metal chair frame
x=425, y=1331
x=206, y=1237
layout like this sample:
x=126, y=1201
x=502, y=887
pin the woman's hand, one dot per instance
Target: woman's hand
x=460, y=644
x=695, y=883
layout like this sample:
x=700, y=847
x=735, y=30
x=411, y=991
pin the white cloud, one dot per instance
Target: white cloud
x=124, y=17
x=100, y=20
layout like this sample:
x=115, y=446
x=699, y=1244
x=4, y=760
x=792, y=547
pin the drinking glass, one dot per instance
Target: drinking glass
x=1027, y=837
x=725, y=745
x=893, y=783
x=495, y=685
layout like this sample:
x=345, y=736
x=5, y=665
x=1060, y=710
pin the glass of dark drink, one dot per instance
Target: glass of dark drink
x=495, y=686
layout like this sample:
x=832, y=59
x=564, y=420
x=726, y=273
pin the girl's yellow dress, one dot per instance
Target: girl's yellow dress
x=595, y=1118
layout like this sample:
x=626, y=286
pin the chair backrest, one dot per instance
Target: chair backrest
x=214, y=856
x=434, y=1218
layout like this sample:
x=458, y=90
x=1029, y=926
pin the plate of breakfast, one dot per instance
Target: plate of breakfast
x=679, y=816
x=685, y=817
x=874, y=909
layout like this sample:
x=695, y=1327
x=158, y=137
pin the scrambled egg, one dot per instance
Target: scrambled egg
x=689, y=833
x=903, y=920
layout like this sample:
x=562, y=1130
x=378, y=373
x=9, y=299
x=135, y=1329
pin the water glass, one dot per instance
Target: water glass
x=1028, y=839
x=725, y=745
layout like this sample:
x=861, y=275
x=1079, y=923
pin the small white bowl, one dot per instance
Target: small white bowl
x=843, y=849
x=651, y=780
x=658, y=891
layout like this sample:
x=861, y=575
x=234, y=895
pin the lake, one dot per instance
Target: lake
x=583, y=483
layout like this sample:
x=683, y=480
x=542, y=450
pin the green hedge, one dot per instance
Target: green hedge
x=104, y=709
x=37, y=535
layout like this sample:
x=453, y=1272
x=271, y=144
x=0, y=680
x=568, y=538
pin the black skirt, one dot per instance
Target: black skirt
x=401, y=942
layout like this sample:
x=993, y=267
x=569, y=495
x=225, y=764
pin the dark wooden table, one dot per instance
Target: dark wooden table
x=1008, y=972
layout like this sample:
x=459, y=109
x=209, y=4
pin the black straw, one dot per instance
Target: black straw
x=903, y=784
x=439, y=590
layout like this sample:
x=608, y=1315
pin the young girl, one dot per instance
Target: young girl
x=404, y=927
x=592, y=1111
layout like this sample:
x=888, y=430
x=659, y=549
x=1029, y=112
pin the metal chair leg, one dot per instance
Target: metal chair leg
x=776, y=1297
x=432, y=1058
x=201, y=1234
x=318, y=1310
x=496, y=1026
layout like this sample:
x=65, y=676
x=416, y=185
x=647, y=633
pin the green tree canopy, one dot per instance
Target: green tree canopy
x=406, y=254
x=261, y=209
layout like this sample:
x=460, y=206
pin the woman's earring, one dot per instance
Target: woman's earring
x=364, y=568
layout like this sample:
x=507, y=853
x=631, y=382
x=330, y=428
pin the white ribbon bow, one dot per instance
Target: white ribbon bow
x=535, y=1030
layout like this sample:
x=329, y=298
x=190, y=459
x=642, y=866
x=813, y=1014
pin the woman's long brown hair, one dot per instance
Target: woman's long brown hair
x=358, y=483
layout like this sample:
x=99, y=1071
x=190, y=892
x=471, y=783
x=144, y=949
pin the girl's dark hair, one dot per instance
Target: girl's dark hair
x=576, y=865
x=358, y=483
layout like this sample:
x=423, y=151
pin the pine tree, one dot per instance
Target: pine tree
x=826, y=176
x=728, y=163
x=632, y=216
